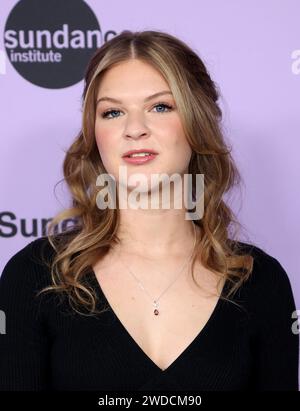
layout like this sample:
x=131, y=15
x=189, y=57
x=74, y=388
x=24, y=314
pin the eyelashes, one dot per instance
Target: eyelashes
x=105, y=114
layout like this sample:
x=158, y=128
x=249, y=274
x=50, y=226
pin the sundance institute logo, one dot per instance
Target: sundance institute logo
x=50, y=42
x=163, y=192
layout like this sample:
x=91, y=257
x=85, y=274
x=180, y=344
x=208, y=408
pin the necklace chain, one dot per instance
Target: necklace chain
x=155, y=302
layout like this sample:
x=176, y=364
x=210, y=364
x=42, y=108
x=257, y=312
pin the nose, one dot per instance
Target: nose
x=135, y=127
x=136, y=135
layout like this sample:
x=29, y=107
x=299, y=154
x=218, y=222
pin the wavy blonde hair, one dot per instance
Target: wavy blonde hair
x=95, y=231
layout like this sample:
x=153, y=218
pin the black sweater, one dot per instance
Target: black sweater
x=47, y=346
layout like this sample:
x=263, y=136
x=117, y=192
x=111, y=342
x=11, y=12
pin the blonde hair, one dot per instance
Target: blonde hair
x=196, y=96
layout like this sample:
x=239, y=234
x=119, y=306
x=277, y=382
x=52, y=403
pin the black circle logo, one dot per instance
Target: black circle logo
x=50, y=42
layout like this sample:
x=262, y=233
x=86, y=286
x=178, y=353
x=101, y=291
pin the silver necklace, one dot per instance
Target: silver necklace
x=155, y=302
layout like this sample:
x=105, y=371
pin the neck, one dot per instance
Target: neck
x=156, y=233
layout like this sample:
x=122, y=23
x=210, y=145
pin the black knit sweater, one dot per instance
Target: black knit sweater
x=47, y=346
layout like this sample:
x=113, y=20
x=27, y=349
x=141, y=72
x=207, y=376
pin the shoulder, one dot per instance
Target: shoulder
x=269, y=282
x=30, y=266
x=266, y=267
x=27, y=268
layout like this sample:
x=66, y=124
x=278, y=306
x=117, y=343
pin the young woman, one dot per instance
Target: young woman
x=145, y=298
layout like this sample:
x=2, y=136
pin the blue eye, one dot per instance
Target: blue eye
x=107, y=113
x=163, y=105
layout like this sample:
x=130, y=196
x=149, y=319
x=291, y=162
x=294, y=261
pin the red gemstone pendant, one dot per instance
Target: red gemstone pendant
x=156, y=311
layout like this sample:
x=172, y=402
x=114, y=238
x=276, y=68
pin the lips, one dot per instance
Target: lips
x=139, y=160
x=142, y=150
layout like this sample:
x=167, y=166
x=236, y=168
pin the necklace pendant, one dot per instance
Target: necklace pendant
x=156, y=312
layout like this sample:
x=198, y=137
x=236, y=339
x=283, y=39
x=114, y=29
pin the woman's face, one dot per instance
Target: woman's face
x=138, y=122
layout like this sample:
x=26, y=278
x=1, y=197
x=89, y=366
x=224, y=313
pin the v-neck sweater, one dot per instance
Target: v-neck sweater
x=252, y=345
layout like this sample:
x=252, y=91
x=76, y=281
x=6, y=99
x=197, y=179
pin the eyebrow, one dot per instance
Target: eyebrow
x=114, y=100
